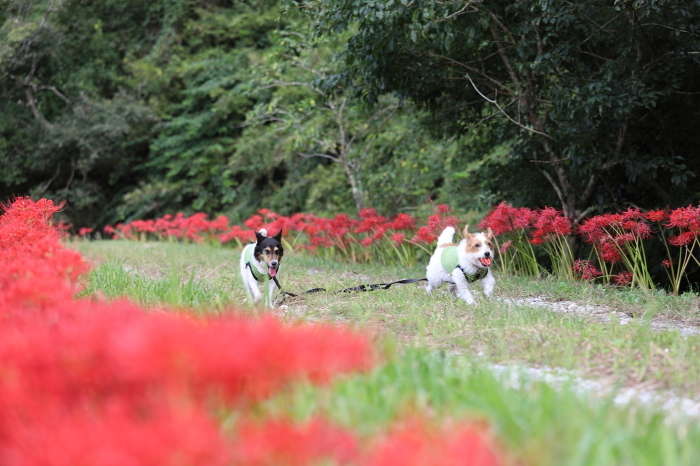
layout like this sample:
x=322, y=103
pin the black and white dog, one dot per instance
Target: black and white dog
x=260, y=262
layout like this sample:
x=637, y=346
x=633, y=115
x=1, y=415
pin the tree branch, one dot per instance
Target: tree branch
x=319, y=154
x=508, y=116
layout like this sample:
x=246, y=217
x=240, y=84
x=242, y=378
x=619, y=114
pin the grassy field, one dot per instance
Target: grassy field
x=443, y=350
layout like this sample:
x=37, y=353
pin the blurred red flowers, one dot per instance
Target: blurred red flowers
x=85, y=382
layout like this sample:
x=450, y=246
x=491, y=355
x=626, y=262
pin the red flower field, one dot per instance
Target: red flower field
x=87, y=382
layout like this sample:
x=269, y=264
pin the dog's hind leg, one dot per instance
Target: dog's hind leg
x=252, y=289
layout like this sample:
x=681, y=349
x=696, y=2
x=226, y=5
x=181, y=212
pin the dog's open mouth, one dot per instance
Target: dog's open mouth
x=485, y=261
x=272, y=271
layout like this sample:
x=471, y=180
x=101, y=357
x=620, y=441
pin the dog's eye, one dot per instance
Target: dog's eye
x=477, y=245
x=267, y=252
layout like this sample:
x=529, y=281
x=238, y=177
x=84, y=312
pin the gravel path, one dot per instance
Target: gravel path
x=599, y=313
x=676, y=407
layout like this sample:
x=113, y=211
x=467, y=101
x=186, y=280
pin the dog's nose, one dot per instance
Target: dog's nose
x=487, y=253
x=273, y=263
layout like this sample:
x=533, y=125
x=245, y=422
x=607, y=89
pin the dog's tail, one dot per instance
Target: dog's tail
x=446, y=236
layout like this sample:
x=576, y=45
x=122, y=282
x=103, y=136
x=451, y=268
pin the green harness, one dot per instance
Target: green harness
x=248, y=256
x=450, y=261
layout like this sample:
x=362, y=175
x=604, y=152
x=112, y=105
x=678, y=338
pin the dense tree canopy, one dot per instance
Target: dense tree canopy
x=136, y=108
x=597, y=99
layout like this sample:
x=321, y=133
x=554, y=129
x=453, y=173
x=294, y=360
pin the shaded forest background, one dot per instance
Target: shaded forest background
x=136, y=108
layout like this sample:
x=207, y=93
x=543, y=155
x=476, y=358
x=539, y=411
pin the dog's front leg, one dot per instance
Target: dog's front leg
x=462, y=286
x=271, y=288
x=488, y=284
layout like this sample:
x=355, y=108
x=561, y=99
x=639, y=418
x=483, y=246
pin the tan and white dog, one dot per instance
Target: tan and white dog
x=463, y=263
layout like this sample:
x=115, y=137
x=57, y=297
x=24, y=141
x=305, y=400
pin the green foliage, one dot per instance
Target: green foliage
x=596, y=98
x=132, y=108
x=198, y=80
x=541, y=424
x=71, y=126
x=112, y=280
x=380, y=152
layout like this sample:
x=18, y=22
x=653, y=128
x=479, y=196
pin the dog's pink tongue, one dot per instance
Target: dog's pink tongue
x=485, y=261
x=272, y=271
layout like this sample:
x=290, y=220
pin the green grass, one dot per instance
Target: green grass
x=541, y=425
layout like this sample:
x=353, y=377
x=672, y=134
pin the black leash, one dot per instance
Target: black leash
x=370, y=287
x=373, y=286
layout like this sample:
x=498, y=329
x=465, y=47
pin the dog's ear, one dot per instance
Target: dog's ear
x=259, y=236
x=465, y=232
x=489, y=233
x=278, y=236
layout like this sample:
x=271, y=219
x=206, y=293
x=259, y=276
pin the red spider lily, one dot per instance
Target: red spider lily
x=623, y=238
x=118, y=350
x=436, y=223
x=667, y=263
x=609, y=250
x=550, y=222
x=596, y=228
x=379, y=233
x=237, y=233
x=341, y=225
x=86, y=382
x=537, y=240
x=370, y=221
x=402, y=222
x=282, y=443
x=618, y=238
x=89, y=382
x=367, y=241
x=397, y=238
x=418, y=445
x=685, y=218
x=319, y=241
x=506, y=218
x=656, y=215
x=442, y=208
x=515, y=222
x=638, y=228
x=505, y=246
x=341, y=232
x=585, y=270
x=439, y=222
x=254, y=223
x=424, y=235
x=30, y=253
x=623, y=278
x=683, y=239
x=25, y=221
x=685, y=229
x=84, y=231
x=114, y=436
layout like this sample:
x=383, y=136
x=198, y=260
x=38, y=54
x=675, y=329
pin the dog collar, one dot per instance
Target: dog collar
x=472, y=277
